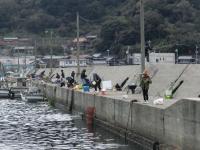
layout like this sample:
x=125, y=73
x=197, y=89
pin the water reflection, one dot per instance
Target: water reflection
x=27, y=126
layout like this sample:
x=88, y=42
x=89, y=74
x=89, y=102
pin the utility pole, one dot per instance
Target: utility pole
x=78, y=45
x=18, y=59
x=196, y=52
x=35, y=53
x=51, y=61
x=142, y=36
x=25, y=63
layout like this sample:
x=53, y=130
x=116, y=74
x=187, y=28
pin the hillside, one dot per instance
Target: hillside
x=116, y=22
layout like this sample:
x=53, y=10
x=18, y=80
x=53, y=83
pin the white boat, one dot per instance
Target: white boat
x=33, y=95
x=15, y=92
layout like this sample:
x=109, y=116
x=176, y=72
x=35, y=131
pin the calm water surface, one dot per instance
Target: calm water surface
x=28, y=126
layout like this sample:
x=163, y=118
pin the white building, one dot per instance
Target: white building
x=134, y=59
x=23, y=50
x=72, y=62
x=185, y=60
x=162, y=58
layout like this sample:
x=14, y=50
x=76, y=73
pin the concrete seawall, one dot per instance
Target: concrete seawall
x=175, y=123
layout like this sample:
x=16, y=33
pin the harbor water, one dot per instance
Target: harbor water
x=28, y=126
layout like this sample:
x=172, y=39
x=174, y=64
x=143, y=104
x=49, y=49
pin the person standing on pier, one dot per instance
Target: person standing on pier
x=145, y=81
x=62, y=79
x=73, y=75
x=84, y=77
x=62, y=74
x=96, y=82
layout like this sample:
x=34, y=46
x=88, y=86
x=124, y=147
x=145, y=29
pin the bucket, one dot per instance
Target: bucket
x=168, y=94
x=90, y=115
x=86, y=88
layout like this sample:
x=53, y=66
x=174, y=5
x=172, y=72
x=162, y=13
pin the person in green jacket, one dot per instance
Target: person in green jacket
x=145, y=81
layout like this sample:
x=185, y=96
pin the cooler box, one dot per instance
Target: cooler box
x=86, y=88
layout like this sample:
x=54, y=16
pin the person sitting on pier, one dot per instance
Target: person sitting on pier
x=57, y=76
x=70, y=82
x=144, y=83
x=62, y=82
x=96, y=82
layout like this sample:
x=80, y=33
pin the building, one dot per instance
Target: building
x=162, y=58
x=23, y=50
x=97, y=59
x=86, y=42
x=133, y=59
x=17, y=62
x=55, y=60
x=185, y=60
x=71, y=61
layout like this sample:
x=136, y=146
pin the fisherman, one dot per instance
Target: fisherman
x=97, y=82
x=62, y=74
x=73, y=75
x=84, y=77
x=145, y=81
x=62, y=82
x=71, y=79
x=57, y=76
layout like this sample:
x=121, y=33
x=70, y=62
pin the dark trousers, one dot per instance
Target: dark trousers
x=145, y=94
x=98, y=85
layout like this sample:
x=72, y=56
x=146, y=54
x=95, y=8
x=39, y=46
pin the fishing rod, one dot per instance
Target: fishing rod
x=181, y=74
x=171, y=90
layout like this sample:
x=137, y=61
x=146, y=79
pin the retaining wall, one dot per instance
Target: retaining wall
x=177, y=124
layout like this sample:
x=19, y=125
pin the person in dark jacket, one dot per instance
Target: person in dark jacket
x=96, y=82
x=62, y=74
x=84, y=77
x=62, y=82
x=71, y=79
x=73, y=75
x=57, y=76
x=145, y=81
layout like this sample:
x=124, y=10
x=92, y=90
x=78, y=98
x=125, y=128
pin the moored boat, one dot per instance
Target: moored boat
x=33, y=95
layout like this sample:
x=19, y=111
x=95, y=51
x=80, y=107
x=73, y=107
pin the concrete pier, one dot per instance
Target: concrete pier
x=175, y=123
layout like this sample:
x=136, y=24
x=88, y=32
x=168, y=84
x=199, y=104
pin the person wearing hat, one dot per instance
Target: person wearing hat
x=145, y=81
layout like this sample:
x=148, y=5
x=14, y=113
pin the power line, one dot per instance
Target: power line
x=89, y=21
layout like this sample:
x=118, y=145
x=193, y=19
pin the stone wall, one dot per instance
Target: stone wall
x=177, y=124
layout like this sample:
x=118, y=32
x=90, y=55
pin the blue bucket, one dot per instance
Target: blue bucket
x=86, y=88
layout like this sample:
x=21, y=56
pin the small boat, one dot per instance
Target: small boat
x=33, y=95
x=4, y=93
x=15, y=92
